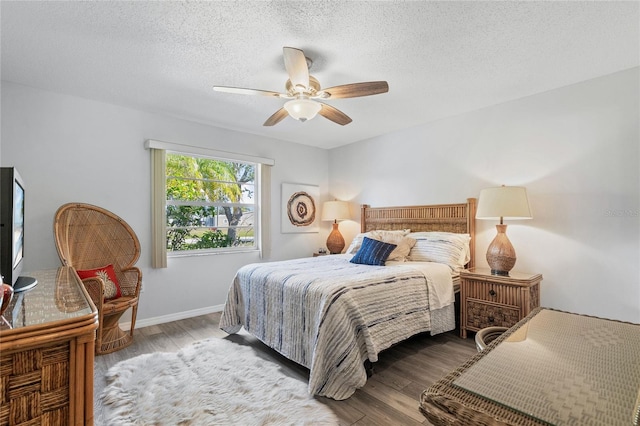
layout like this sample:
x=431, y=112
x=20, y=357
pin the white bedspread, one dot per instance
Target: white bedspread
x=331, y=315
x=439, y=282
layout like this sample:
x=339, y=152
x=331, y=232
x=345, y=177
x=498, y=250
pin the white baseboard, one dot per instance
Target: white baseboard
x=172, y=317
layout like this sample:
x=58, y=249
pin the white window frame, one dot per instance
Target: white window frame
x=159, y=229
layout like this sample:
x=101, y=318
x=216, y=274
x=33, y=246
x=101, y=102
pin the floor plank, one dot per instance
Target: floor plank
x=390, y=397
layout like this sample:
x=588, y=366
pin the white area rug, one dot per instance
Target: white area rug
x=213, y=382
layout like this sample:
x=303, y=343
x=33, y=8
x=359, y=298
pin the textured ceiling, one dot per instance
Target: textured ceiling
x=440, y=58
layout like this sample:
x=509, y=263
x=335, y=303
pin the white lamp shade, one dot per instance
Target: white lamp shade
x=302, y=109
x=335, y=210
x=506, y=202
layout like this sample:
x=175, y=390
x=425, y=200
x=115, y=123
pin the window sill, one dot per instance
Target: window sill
x=196, y=253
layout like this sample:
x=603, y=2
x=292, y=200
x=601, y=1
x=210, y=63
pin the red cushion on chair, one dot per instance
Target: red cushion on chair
x=108, y=275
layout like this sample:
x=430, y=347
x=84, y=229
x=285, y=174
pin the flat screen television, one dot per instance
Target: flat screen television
x=12, y=230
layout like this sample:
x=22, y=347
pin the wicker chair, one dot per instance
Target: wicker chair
x=89, y=237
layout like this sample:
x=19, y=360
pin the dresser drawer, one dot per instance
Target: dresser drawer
x=481, y=314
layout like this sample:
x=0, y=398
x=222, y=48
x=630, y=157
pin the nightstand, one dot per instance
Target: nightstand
x=494, y=300
x=316, y=254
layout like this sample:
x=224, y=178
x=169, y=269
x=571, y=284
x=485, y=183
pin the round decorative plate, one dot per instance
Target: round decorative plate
x=301, y=209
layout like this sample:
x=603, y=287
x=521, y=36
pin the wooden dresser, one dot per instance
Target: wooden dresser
x=488, y=300
x=47, y=346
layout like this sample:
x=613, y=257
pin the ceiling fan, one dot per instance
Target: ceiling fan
x=304, y=92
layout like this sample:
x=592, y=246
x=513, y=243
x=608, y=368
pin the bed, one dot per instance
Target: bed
x=334, y=316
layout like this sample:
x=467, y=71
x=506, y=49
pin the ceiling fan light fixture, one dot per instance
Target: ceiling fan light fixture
x=302, y=109
x=303, y=89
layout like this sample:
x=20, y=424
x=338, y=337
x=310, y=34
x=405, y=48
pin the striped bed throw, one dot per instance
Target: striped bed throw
x=331, y=315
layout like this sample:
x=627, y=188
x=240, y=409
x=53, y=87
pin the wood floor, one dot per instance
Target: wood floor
x=390, y=397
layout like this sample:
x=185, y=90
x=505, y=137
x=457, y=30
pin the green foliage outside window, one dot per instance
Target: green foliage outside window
x=200, y=192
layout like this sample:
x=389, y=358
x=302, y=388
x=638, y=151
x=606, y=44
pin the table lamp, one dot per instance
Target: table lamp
x=504, y=202
x=335, y=211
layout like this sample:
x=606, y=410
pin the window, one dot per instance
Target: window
x=207, y=201
x=211, y=204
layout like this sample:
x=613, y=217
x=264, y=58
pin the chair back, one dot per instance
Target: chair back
x=89, y=237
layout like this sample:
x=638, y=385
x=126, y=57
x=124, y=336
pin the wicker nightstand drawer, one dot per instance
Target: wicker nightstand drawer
x=494, y=300
x=493, y=292
x=482, y=314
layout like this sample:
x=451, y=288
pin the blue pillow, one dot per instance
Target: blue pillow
x=373, y=252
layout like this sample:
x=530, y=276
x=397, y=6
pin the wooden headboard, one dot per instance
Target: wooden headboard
x=458, y=218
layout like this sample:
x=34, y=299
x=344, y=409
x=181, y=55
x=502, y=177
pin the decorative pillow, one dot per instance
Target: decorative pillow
x=357, y=240
x=355, y=244
x=373, y=252
x=404, y=244
x=108, y=276
x=443, y=247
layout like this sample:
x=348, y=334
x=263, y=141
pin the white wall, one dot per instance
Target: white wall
x=72, y=149
x=575, y=149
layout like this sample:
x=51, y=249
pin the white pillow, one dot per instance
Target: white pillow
x=442, y=247
x=355, y=244
x=403, y=243
x=357, y=240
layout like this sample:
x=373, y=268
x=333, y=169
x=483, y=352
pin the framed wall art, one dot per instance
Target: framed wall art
x=300, y=208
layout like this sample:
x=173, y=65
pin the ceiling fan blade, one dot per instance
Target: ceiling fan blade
x=296, y=65
x=277, y=117
x=334, y=114
x=354, y=90
x=242, y=91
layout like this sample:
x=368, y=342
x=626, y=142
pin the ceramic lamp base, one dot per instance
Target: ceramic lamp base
x=335, y=241
x=501, y=255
